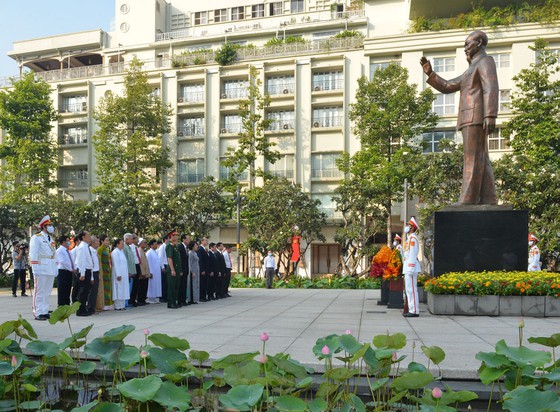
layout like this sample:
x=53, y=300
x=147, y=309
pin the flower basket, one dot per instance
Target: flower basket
x=396, y=299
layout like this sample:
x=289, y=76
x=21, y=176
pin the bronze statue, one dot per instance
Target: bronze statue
x=478, y=109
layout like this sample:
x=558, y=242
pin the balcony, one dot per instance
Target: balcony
x=327, y=85
x=235, y=93
x=332, y=121
x=73, y=139
x=190, y=177
x=192, y=130
x=288, y=173
x=280, y=89
x=231, y=128
x=73, y=183
x=191, y=97
x=326, y=173
x=281, y=125
x=80, y=107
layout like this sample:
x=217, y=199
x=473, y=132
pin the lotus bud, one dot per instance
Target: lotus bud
x=264, y=337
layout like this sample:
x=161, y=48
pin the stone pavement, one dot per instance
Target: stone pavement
x=295, y=319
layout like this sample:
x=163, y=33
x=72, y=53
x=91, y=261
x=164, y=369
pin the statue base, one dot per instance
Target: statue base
x=479, y=238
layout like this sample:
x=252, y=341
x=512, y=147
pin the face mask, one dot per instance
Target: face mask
x=395, y=243
x=407, y=229
x=50, y=229
x=270, y=254
x=531, y=243
x=68, y=244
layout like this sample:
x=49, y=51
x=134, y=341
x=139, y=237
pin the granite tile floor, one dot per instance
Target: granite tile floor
x=295, y=319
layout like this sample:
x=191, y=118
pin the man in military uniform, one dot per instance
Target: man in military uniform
x=174, y=269
x=397, y=244
x=411, y=268
x=534, y=254
x=42, y=258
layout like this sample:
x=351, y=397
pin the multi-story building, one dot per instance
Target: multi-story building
x=312, y=82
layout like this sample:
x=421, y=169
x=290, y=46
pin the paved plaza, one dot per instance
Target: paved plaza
x=295, y=319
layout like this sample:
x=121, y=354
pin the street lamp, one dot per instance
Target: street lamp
x=238, y=202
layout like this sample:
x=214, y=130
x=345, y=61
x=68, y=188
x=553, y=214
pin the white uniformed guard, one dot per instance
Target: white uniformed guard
x=411, y=268
x=397, y=243
x=42, y=258
x=534, y=254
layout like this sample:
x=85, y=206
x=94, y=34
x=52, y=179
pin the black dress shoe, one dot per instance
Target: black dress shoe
x=83, y=314
x=203, y=300
x=141, y=303
x=23, y=294
x=41, y=317
x=411, y=315
x=163, y=301
x=172, y=306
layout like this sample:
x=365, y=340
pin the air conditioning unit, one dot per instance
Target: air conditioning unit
x=84, y=106
x=180, y=134
x=317, y=88
x=65, y=138
x=224, y=96
x=285, y=91
x=316, y=124
x=229, y=30
x=286, y=126
x=223, y=131
x=180, y=100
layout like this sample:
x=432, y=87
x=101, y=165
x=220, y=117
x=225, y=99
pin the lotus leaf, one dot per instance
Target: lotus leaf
x=171, y=396
x=356, y=403
x=6, y=329
x=552, y=342
x=199, y=355
x=379, y=383
x=27, y=326
x=396, y=341
x=416, y=367
x=412, y=380
x=83, y=333
x=105, y=351
x=524, y=398
x=63, y=312
x=244, y=374
x=331, y=341
x=350, y=344
x=288, y=366
x=165, y=341
x=523, y=356
x=290, y=403
x=233, y=360
x=86, y=367
x=341, y=374
x=166, y=359
x=318, y=405
x=140, y=389
x=242, y=397
x=434, y=353
x=44, y=348
x=108, y=407
x=488, y=375
x=117, y=334
x=493, y=359
x=31, y=405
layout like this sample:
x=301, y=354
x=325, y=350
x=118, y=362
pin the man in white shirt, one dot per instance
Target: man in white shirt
x=163, y=262
x=227, y=257
x=270, y=267
x=154, y=285
x=94, y=290
x=66, y=270
x=84, y=263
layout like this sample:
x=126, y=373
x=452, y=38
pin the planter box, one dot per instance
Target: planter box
x=396, y=300
x=422, y=295
x=384, y=293
x=488, y=305
x=441, y=304
x=533, y=306
x=510, y=305
x=552, y=306
x=466, y=305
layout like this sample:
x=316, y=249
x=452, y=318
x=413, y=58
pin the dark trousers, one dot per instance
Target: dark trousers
x=19, y=274
x=203, y=286
x=75, y=287
x=93, y=290
x=172, y=288
x=84, y=287
x=135, y=284
x=269, y=277
x=64, y=285
x=142, y=290
x=211, y=287
x=164, y=284
x=182, y=294
x=220, y=285
x=226, y=281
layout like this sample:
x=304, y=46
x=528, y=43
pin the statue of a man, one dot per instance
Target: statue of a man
x=478, y=109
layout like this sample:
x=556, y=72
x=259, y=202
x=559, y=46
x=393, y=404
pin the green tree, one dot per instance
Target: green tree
x=28, y=153
x=271, y=212
x=388, y=115
x=129, y=147
x=528, y=177
x=252, y=141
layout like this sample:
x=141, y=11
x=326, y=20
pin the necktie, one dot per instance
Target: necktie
x=138, y=255
x=70, y=258
x=90, y=256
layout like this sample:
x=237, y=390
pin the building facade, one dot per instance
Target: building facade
x=310, y=75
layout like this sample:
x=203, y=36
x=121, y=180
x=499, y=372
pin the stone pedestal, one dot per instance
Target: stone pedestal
x=478, y=238
x=396, y=288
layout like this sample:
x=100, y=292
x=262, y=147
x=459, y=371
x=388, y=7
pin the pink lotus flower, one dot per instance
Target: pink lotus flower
x=146, y=331
x=348, y=331
x=143, y=354
x=395, y=356
x=436, y=393
x=14, y=361
x=326, y=351
x=264, y=337
x=262, y=359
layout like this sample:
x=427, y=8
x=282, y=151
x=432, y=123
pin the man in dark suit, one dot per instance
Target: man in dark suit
x=183, y=281
x=203, y=262
x=478, y=109
x=213, y=260
x=220, y=280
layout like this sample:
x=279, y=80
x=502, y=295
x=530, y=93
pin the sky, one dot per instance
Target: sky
x=31, y=19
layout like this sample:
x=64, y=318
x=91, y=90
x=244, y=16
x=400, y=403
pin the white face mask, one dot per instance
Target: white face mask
x=531, y=243
x=407, y=229
x=50, y=229
x=395, y=243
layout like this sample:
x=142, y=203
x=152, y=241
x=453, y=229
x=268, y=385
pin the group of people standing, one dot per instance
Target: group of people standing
x=135, y=272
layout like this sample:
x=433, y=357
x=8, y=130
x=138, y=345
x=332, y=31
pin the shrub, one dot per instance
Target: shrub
x=348, y=33
x=226, y=55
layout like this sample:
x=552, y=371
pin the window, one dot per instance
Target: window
x=237, y=13
x=200, y=17
x=496, y=141
x=328, y=205
x=156, y=92
x=280, y=84
x=281, y=120
x=226, y=173
x=257, y=10
x=283, y=167
x=190, y=171
x=505, y=100
x=444, y=64
x=220, y=15
x=74, y=104
x=501, y=59
x=431, y=140
x=296, y=6
x=74, y=177
x=231, y=124
x=327, y=117
x=191, y=93
x=191, y=126
x=328, y=81
x=444, y=104
x=73, y=135
x=324, y=165
x=276, y=8
x=373, y=67
x=178, y=21
x=235, y=89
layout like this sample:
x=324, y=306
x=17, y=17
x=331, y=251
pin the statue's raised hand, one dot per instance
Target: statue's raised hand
x=426, y=66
